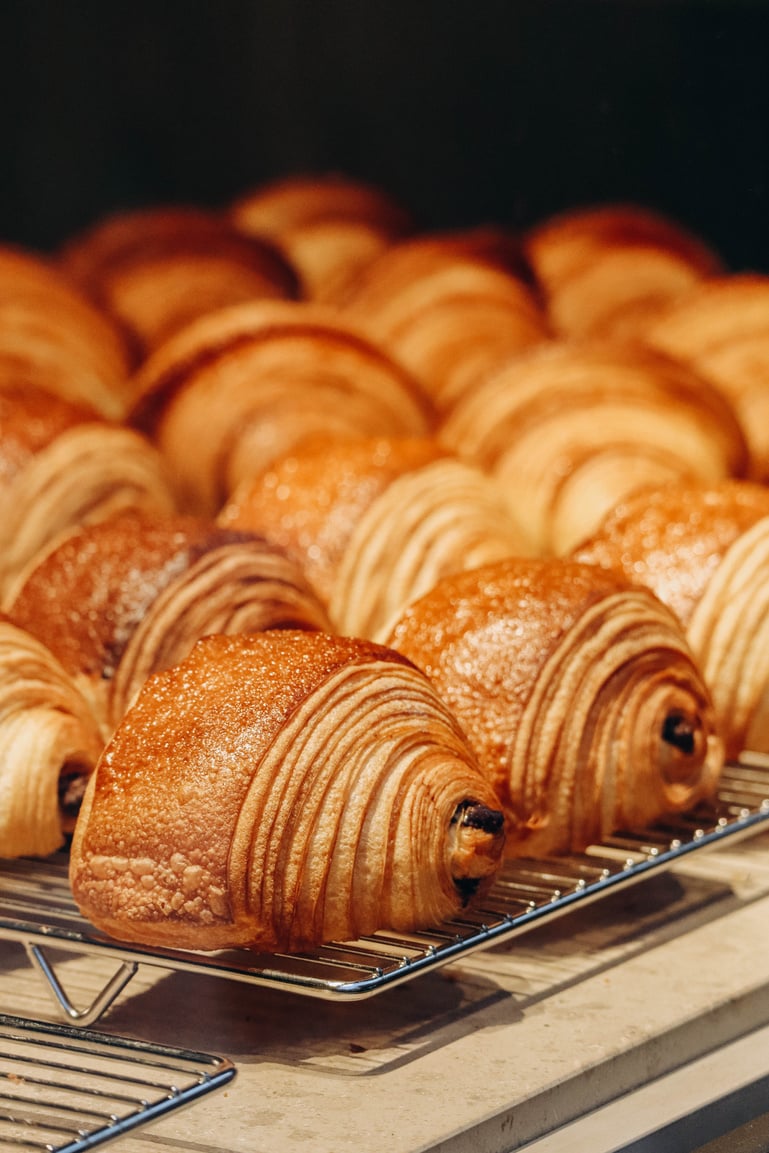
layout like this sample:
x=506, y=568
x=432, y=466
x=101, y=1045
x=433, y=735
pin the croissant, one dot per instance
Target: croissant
x=719, y=329
x=704, y=551
x=578, y=692
x=248, y=383
x=155, y=269
x=571, y=428
x=605, y=271
x=277, y=208
x=449, y=307
x=331, y=254
x=278, y=791
x=62, y=465
x=53, y=337
x=328, y=227
x=121, y=599
x=376, y=521
x=49, y=745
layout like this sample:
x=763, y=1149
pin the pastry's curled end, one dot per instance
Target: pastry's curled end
x=49, y=744
x=117, y=601
x=280, y=790
x=704, y=551
x=87, y=475
x=578, y=692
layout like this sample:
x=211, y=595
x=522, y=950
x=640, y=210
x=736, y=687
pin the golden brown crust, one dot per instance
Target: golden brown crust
x=156, y=269
x=567, y=680
x=672, y=539
x=249, y=800
x=118, y=600
x=705, y=553
x=310, y=500
x=30, y=419
x=88, y=474
x=49, y=745
x=375, y=522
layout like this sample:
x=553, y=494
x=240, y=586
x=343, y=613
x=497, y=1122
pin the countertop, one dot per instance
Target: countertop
x=663, y=983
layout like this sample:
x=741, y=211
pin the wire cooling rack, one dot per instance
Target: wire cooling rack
x=66, y=1090
x=37, y=909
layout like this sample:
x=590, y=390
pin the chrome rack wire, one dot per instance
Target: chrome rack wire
x=65, y=1090
x=36, y=906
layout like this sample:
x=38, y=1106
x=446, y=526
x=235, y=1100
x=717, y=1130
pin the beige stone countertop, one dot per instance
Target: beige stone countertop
x=487, y=1054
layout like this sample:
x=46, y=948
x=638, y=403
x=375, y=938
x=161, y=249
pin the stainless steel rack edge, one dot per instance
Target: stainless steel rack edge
x=36, y=907
x=69, y=1089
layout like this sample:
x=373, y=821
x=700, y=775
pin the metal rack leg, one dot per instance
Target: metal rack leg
x=100, y=1003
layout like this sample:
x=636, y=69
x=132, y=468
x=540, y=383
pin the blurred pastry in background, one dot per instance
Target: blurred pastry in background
x=606, y=270
x=155, y=269
x=240, y=387
x=571, y=428
x=721, y=330
x=52, y=336
x=450, y=307
x=63, y=465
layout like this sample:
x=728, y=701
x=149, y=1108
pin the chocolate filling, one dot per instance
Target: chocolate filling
x=679, y=732
x=73, y=779
x=474, y=815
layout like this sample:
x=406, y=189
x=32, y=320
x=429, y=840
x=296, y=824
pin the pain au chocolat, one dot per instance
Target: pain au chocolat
x=280, y=790
x=376, y=521
x=704, y=551
x=49, y=745
x=119, y=600
x=63, y=465
x=578, y=692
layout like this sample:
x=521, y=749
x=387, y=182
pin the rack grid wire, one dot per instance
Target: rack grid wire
x=36, y=908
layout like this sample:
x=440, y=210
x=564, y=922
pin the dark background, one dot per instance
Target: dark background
x=495, y=110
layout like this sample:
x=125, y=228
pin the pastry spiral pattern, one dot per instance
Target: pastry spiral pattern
x=52, y=336
x=62, y=467
x=579, y=693
x=375, y=522
x=705, y=552
x=607, y=271
x=450, y=307
x=250, y=382
x=719, y=329
x=571, y=429
x=277, y=791
x=122, y=599
x=154, y=270
x=49, y=745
